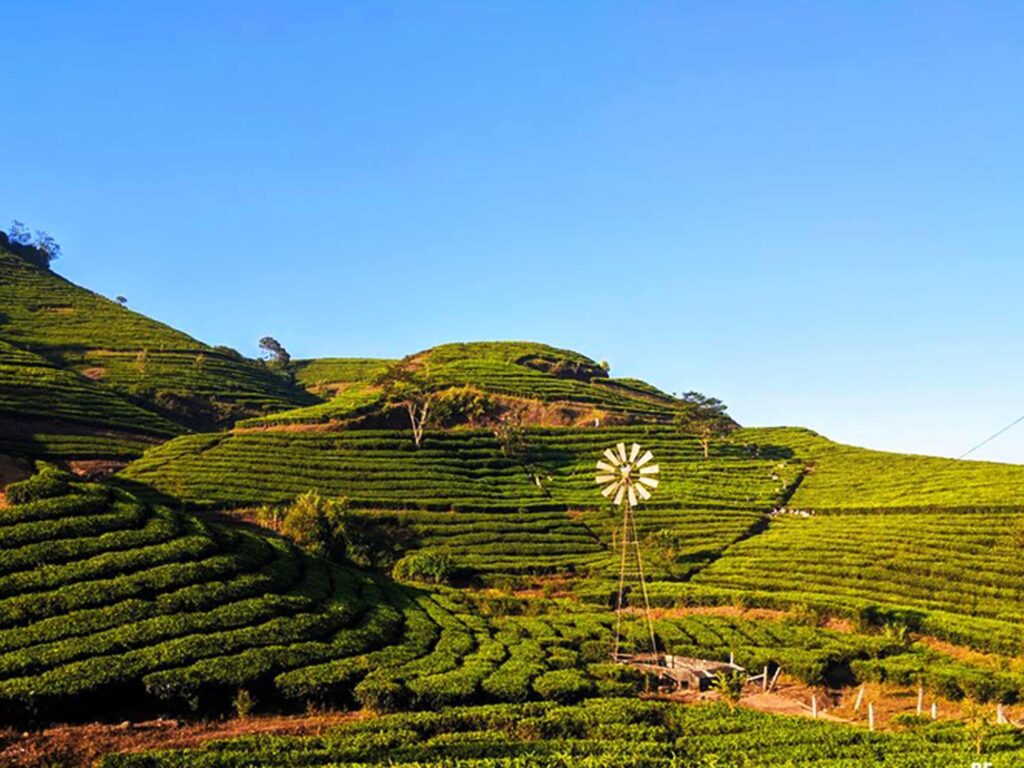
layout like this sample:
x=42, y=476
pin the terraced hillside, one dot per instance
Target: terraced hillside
x=124, y=607
x=594, y=735
x=559, y=386
x=48, y=411
x=534, y=512
x=132, y=355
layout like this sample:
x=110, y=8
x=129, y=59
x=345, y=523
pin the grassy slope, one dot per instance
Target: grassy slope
x=50, y=411
x=123, y=350
x=956, y=574
x=504, y=520
x=515, y=369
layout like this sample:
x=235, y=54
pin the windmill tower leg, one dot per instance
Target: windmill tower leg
x=619, y=605
x=643, y=582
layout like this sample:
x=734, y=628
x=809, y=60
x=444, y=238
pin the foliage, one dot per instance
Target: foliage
x=729, y=686
x=704, y=418
x=429, y=566
x=45, y=484
x=595, y=734
x=274, y=350
x=39, y=249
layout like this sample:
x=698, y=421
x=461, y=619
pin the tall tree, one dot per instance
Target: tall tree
x=704, y=418
x=408, y=389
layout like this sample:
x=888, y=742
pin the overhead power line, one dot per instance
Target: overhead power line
x=989, y=439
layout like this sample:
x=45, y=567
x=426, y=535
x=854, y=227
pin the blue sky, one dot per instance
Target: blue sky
x=810, y=210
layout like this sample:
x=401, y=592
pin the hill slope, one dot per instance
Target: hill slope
x=138, y=358
x=48, y=411
x=552, y=386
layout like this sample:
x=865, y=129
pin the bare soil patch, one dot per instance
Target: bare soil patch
x=95, y=468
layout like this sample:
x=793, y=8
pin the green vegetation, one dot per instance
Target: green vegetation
x=572, y=388
x=44, y=407
x=848, y=479
x=100, y=593
x=492, y=512
x=123, y=598
x=958, y=576
x=138, y=358
x=597, y=734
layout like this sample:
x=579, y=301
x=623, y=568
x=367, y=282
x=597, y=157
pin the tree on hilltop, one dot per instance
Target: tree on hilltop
x=704, y=418
x=406, y=388
x=275, y=352
x=39, y=249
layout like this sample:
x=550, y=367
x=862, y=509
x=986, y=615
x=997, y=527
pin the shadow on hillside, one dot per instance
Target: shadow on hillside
x=146, y=492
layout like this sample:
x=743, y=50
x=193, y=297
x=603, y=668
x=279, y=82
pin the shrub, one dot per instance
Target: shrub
x=430, y=566
x=382, y=693
x=50, y=482
x=565, y=686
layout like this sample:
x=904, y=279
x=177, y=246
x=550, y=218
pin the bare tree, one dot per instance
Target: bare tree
x=409, y=390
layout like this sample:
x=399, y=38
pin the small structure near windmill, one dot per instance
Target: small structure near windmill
x=627, y=477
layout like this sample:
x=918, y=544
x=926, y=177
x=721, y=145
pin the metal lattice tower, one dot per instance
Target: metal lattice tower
x=628, y=477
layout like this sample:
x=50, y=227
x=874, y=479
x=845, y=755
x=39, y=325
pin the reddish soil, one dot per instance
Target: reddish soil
x=756, y=614
x=94, y=373
x=79, y=746
x=95, y=468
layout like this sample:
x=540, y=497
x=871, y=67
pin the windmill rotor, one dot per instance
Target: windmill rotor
x=627, y=475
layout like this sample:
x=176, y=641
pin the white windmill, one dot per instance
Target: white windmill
x=628, y=477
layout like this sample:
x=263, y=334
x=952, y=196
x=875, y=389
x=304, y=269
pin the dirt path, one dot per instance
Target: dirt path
x=79, y=746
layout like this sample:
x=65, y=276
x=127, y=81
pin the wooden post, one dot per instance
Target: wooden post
x=814, y=705
x=775, y=678
x=732, y=658
x=1000, y=717
x=860, y=699
x=871, y=716
x=935, y=711
x=920, y=700
x=764, y=683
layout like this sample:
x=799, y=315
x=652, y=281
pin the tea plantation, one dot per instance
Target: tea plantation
x=154, y=593
x=597, y=734
x=78, y=418
x=129, y=353
x=527, y=373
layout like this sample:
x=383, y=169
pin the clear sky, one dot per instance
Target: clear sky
x=811, y=210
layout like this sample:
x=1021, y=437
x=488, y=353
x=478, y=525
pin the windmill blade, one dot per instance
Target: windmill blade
x=645, y=458
x=634, y=452
x=610, y=455
x=602, y=479
x=644, y=493
x=608, y=490
x=620, y=494
x=650, y=482
x=622, y=451
x=651, y=470
x=605, y=467
x=631, y=494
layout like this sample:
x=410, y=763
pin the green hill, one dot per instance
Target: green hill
x=148, y=362
x=554, y=386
